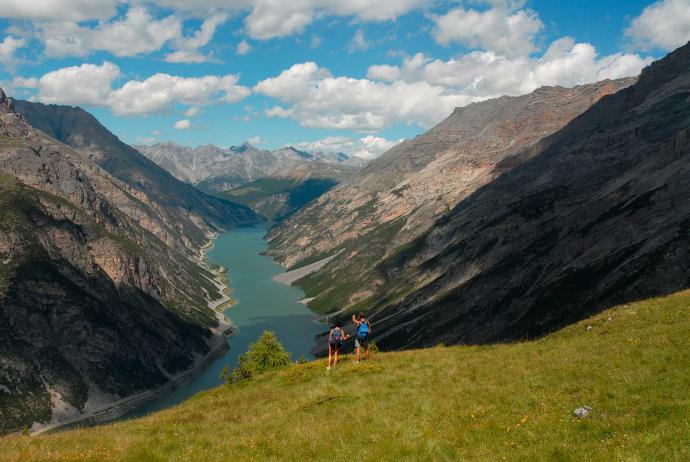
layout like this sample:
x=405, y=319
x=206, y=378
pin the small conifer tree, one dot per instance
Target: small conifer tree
x=265, y=354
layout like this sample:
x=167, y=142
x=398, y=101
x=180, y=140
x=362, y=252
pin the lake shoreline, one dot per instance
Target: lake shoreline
x=218, y=346
x=120, y=408
x=258, y=302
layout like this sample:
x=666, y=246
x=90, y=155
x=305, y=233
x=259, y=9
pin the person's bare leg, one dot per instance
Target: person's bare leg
x=366, y=354
x=329, y=357
x=335, y=363
x=357, y=354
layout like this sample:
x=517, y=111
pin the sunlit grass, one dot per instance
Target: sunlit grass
x=499, y=402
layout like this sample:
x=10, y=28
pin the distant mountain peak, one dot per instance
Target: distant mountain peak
x=244, y=147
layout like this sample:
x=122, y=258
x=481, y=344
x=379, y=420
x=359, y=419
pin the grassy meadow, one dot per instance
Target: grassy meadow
x=631, y=364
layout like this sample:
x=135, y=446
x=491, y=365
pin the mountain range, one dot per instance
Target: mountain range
x=510, y=219
x=103, y=293
x=212, y=168
x=548, y=227
x=274, y=184
x=398, y=196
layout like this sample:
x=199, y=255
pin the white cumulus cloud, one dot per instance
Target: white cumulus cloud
x=58, y=9
x=424, y=91
x=160, y=91
x=188, y=47
x=319, y=99
x=368, y=147
x=279, y=18
x=85, y=85
x=383, y=72
x=664, y=24
x=134, y=34
x=92, y=85
x=181, y=124
x=8, y=49
x=500, y=29
x=137, y=32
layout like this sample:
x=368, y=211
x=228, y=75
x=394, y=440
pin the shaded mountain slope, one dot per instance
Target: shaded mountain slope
x=600, y=216
x=94, y=305
x=399, y=195
x=277, y=198
x=192, y=213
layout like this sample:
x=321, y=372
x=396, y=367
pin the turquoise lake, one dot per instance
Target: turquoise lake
x=262, y=304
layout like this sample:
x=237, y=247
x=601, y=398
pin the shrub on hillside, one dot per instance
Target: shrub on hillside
x=266, y=354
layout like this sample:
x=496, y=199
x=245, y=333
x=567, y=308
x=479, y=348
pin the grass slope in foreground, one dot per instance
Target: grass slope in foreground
x=498, y=402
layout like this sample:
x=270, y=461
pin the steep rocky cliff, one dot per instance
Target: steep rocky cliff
x=600, y=215
x=100, y=296
x=399, y=195
x=184, y=211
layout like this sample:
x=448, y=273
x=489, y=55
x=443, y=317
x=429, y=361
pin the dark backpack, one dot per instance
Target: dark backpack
x=336, y=335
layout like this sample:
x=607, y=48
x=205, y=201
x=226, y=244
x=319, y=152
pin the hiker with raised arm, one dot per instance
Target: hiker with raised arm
x=363, y=335
x=336, y=337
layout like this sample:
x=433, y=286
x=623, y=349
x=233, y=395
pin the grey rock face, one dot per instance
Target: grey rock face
x=599, y=216
x=185, y=215
x=99, y=294
x=397, y=197
x=11, y=124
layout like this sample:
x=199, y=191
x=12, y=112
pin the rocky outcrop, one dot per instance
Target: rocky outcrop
x=10, y=123
x=397, y=197
x=101, y=296
x=598, y=216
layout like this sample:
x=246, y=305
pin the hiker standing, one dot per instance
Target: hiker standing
x=335, y=342
x=363, y=335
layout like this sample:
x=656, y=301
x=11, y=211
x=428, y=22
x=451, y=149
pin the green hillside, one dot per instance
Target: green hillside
x=496, y=402
x=277, y=198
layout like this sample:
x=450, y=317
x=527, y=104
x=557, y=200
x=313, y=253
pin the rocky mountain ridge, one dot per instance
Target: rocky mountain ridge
x=398, y=196
x=185, y=215
x=599, y=215
x=218, y=170
x=101, y=297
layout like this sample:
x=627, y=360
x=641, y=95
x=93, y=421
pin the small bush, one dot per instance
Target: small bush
x=266, y=354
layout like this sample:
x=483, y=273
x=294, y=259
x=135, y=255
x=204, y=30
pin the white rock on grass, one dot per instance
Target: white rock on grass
x=582, y=412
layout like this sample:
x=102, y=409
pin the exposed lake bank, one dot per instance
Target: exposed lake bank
x=260, y=302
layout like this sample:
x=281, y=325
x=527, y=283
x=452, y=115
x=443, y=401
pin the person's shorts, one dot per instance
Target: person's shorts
x=362, y=342
x=336, y=345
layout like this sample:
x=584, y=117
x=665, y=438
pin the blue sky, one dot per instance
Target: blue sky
x=355, y=76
